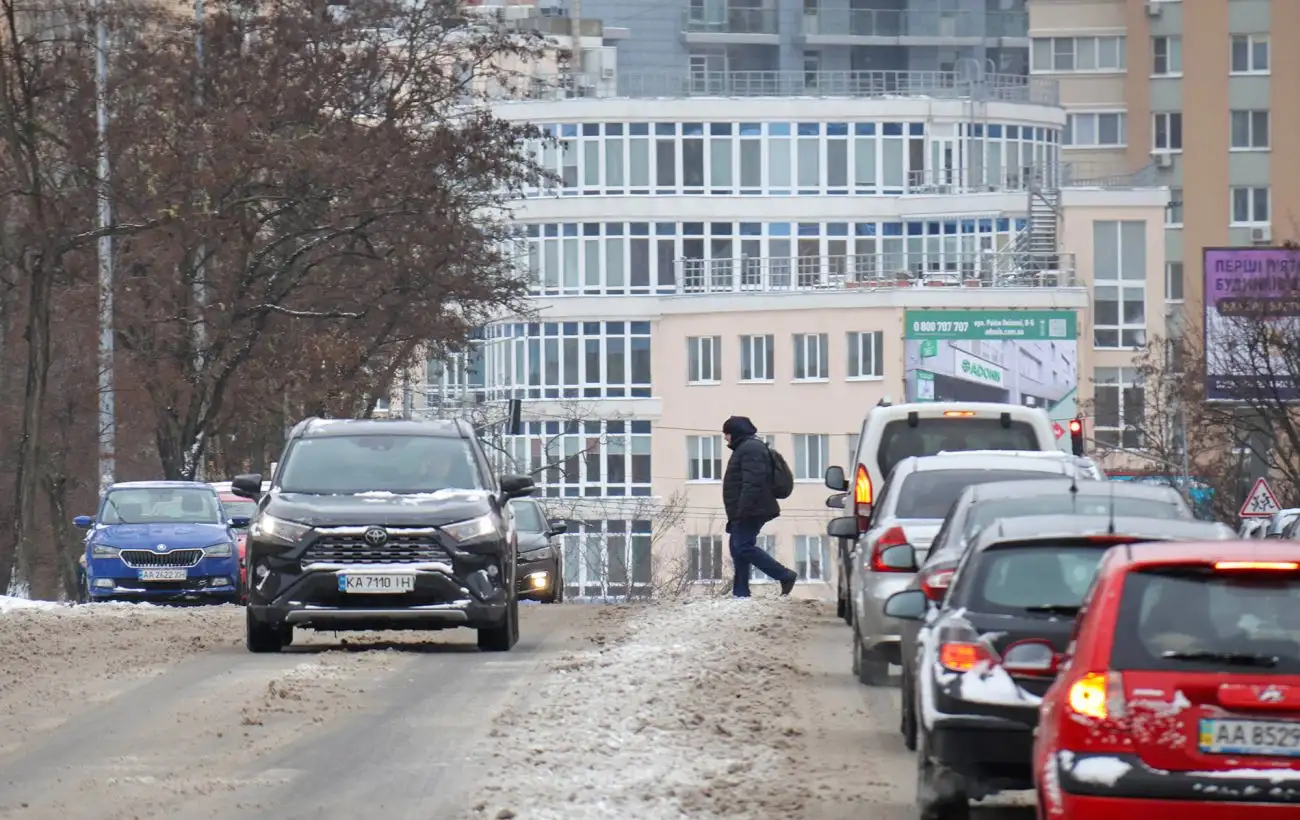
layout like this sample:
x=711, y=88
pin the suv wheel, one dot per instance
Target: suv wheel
x=261, y=637
x=502, y=638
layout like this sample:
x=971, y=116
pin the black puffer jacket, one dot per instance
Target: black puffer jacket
x=747, y=484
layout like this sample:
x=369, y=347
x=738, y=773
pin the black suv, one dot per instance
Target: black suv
x=377, y=524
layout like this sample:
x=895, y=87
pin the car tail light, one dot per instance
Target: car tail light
x=1031, y=659
x=1098, y=695
x=1256, y=566
x=935, y=581
x=965, y=414
x=892, y=537
x=862, y=496
x=962, y=656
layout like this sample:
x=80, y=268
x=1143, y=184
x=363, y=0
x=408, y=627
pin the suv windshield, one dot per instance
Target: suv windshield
x=983, y=512
x=159, y=505
x=1013, y=579
x=931, y=493
x=378, y=463
x=528, y=518
x=932, y=436
x=1205, y=620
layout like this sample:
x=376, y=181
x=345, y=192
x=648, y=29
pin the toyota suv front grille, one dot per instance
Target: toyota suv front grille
x=353, y=549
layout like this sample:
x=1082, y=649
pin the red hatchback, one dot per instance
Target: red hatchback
x=1180, y=696
x=234, y=505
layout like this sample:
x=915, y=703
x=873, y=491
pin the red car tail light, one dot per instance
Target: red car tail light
x=892, y=537
x=1098, y=695
x=935, y=581
x=862, y=495
x=960, y=656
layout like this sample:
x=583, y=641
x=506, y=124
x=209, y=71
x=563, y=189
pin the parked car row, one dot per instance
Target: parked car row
x=1086, y=639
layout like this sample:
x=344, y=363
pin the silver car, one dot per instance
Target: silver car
x=909, y=510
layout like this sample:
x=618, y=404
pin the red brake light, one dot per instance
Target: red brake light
x=963, y=657
x=959, y=413
x=862, y=495
x=935, y=582
x=1110, y=539
x=1098, y=695
x=892, y=537
x=1267, y=566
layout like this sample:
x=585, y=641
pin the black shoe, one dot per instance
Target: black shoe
x=788, y=584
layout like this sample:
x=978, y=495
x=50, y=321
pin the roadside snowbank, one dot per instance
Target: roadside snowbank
x=8, y=604
x=686, y=715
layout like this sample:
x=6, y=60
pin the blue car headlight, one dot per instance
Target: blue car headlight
x=223, y=550
x=277, y=529
x=103, y=551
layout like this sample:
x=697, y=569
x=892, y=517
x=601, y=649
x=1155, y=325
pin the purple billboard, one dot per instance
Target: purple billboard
x=1247, y=291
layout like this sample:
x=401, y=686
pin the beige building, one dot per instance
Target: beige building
x=795, y=259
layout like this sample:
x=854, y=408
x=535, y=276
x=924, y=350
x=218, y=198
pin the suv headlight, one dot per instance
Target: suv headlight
x=103, y=551
x=539, y=554
x=277, y=529
x=475, y=529
x=223, y=550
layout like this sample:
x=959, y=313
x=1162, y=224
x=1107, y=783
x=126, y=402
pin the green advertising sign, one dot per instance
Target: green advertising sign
x=989, y=324
x=929, y=348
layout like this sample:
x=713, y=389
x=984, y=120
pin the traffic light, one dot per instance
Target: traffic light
x=1076, y=436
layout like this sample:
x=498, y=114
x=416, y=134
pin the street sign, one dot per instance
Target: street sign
x=1058, y=429
x=1261, y=503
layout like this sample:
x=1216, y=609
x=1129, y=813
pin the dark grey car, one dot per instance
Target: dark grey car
x=541, y=561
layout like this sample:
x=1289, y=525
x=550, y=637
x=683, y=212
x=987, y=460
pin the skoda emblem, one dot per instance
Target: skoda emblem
x=1270, y=695
x=161, y=547
x=376, y=536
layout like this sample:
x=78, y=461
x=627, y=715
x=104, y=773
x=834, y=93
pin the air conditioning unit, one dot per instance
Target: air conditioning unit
x=1261, y=236
x=607, y=73
x=1155, y=9
x=1163, y=160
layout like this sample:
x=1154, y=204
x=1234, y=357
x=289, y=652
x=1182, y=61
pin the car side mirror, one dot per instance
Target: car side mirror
x=843, y=527
x=835, y=479
x=517, y=486
x=556, y=527
x=908, y=605
x=836, y=500
x=248, y=485
x=899, y=557
x=240, y=521
x=84, y=522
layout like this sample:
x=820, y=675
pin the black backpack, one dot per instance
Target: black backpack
x=782, y=477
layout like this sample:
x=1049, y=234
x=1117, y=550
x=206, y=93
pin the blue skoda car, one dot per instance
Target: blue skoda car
x=161, y=540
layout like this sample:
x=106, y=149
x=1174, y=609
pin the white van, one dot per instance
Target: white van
x=891, y=433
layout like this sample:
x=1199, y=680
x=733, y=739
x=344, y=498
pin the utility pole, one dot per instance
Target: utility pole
x=575, y=21
x=200, y=265
x=107, y=410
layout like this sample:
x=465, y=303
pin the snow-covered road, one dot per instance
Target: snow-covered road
x=713, y=708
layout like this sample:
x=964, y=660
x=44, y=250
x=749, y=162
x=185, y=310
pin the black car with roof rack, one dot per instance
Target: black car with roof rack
x=986, y=657
x=382, y=524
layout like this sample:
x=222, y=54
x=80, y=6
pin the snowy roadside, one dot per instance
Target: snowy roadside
x=687, y=713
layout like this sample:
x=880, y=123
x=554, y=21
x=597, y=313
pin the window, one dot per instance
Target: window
x=1119, y=253
x=200, y=505
x=583, y=459
x=931, y=493
x=810, y=354
x=1167, y=135
x=811, y=454
x=1249, y=131
x=1250, y=54
x=1119, y=407
x=810, y=557
x=1095, y=130
x=756, y=363
x=704, y=458
x=704, y=359
x=1250, y=206
x=899, y=439
x=1078, y=54
x=607, y=559
x=1167, y=56
x=767, y=543
x=866, y=355
x=1173, y=281
x=1174, y=210
x=1009, y=580
x=567, y=360
x=704, y=557
x=327, y=465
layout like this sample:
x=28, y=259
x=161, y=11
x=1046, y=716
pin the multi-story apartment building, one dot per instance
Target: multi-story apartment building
x=795, y=258
x=1194, y=92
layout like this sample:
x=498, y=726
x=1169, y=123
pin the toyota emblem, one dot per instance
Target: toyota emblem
x=1270, y=695
x=376, y=536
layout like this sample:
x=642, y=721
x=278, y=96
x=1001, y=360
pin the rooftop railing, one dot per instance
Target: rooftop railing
x=945, y=85
x=729, y=20
x=903, y=23
x=986, y=179
x=981, y=269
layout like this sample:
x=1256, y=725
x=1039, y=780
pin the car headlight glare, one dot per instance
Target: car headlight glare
x=472, y=530
x=223, y=550
x=277, y=529
x=103, y=551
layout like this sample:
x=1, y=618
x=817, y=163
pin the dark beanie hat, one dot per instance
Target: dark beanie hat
x=739, y=426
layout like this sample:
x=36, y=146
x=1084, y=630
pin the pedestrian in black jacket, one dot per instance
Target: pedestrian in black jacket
x=750, y=502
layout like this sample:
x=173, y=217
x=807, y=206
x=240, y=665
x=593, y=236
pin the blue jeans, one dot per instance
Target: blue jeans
x=745, y=552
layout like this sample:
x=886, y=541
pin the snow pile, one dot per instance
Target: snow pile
x=8, y=604
x=686, y=715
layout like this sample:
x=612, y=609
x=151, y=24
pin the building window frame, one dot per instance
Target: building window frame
x=1250, y=55
x=1174, y=210
x=704, y=459
x=704, y=558
x=767, y=543
x=1250, y=206
x=704, y=360
x=1167, y=132
x=1119, y=407
x=811, y=557
x=1119, y=286
x=811, y=357
x=812, y=453
x=1249, y=130
x=1174, y=282
x=757, y=359
x=1089, y=123
x=865, y=359
x=1167, y=56
x=1097, y=54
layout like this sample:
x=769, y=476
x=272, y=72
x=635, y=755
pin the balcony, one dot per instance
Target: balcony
x=945, y=85
x=815, y=274
x=722, y=25
x=829, y=27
